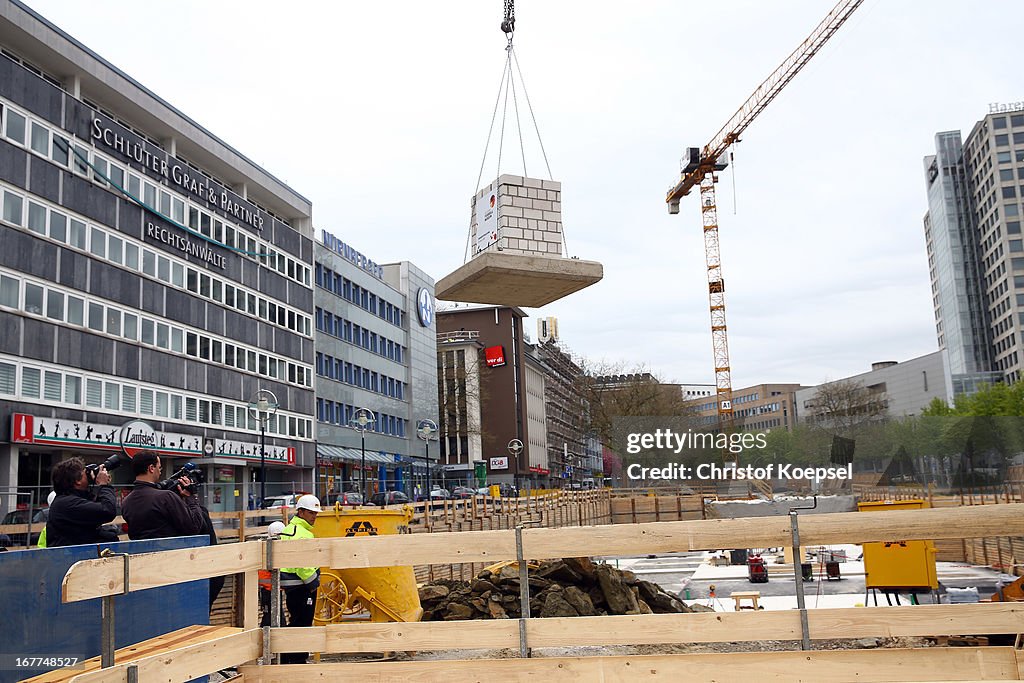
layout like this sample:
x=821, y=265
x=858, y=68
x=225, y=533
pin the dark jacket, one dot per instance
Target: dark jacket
x=75, y=517
x=152, y=512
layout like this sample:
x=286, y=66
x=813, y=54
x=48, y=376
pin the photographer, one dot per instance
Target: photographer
x=155, y=512
x=76, y=513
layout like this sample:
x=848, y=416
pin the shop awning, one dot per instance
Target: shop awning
x=353, y=455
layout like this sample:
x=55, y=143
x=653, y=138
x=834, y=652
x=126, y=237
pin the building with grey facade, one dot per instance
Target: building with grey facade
x=976, y=249
x=376, y=349
x=149, y=272
x=901, y=389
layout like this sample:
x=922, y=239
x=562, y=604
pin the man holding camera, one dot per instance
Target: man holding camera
x=155, y=512
x=77, y=513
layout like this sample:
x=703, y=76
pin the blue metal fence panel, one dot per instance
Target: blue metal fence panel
x=38, y=624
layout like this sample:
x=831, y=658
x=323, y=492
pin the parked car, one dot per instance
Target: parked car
x=435, y=495
x=20, y=518
x=462, y=492
x=383, y=498
x=347, y=498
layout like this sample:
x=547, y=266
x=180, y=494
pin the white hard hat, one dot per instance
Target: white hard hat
x=308, y=502
x=275, y=529
x=49, y=498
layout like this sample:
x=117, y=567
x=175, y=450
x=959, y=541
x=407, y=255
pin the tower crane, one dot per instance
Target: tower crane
x=698, y=168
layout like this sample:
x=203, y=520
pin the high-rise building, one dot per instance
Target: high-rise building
x=976, y=249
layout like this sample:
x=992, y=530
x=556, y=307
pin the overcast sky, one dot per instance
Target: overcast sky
x=378, y=112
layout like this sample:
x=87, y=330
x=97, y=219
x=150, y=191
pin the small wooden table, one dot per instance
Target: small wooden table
x=739, y=596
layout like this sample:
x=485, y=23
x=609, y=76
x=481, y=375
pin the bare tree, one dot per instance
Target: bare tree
x=846, y=405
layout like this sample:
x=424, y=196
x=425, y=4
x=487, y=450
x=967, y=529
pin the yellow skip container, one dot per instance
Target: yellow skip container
x=388, y=593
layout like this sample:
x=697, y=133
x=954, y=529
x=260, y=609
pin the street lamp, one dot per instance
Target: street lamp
x=426, y=430
x=363, y=419
x=262, y=407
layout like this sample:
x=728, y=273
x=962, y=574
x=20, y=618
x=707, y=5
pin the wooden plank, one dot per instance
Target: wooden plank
x=185, y=663
x=249, y=592
x=105, y=576
x=397, y=550
x=190, y=635
x=833, y=666
x=656, y=629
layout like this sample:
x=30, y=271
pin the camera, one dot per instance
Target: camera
x=190, y=470
x=111, y=463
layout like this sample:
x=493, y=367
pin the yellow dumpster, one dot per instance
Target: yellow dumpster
x=388, y=593
x=495, y=491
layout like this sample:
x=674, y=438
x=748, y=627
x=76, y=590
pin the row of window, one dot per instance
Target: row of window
x=39, y=137
x=336, y=326
x=332, y=412
x=50, y=302
x=1016, y=120
x=81, y=390
x=343, y=371
x=48, y=221
x=360, y=296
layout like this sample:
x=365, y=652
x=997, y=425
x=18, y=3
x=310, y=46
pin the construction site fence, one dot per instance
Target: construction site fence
x=106, y=577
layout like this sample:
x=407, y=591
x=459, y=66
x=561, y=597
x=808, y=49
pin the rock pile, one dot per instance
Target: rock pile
x=569, y=587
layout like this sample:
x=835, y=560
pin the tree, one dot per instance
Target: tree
x=845, y=406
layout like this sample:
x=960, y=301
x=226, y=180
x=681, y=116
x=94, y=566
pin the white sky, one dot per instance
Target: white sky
x=378, y=112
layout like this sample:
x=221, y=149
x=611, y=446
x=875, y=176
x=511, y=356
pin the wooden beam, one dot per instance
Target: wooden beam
x=652, y=537
x=655, y=629
x=105, y=576
x=186, y=663
x=826, y=666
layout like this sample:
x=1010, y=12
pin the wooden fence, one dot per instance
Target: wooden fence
x=108, y=576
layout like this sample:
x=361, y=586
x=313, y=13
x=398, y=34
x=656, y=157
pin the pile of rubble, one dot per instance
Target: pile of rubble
x=569, y=587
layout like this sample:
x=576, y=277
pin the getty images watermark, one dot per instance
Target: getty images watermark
x=667, y=440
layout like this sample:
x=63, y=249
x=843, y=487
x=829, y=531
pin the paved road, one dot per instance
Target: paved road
x=674, y=572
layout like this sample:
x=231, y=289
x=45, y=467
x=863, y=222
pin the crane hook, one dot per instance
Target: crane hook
x=508, y=24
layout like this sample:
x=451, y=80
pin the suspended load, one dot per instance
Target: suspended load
x=516, y=243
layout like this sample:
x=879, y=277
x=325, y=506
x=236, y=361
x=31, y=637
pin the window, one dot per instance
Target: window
x=37, y=218
x=7, y=376
x=999, y=122
x=55, y=305
x=10, y=288
x=76, y=310
x=33, y=298
x=77, y=237
x=72, y=389
x=98, y=242
x=128, y=396
x=40, y=139
x=111, y=395
x=1002, y=140
x=30, y=382
x=58, y=226
x=12, y=208
x=15, y=129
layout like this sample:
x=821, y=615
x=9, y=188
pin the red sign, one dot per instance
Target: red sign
x=495, y=356
x=539, y=470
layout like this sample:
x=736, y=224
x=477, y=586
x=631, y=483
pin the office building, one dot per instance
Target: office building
x=151, y=274
x=375, y=350
x=976, y=249
x=758, y=408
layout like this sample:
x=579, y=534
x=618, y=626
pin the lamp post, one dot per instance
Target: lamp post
x=363, y=419
x=262, y=407
x=426, y=430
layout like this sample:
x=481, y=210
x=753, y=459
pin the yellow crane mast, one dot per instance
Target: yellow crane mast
x=698, y=167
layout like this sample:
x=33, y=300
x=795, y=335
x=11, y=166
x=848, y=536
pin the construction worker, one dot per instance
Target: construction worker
x=266, y=585
x=300, y=583
x=41, y=543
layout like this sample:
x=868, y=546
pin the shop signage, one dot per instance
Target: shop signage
x=499, y=463
x=539, y=470
x=425, y=306
x=225, y=474
x=135, y=150
x=137, y=436
x=350, y=254
x=494, y=356
x=225, y=448
x=77, y=434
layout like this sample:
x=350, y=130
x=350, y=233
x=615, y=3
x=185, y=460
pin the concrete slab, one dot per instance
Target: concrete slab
x=517, y=280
